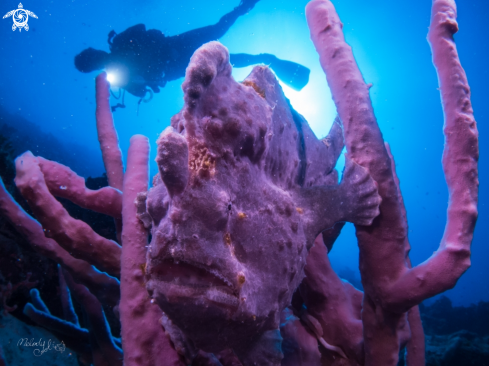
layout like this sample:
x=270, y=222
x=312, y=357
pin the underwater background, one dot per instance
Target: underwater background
x=40, y=90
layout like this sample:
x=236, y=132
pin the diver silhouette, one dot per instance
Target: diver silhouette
x=145, y=60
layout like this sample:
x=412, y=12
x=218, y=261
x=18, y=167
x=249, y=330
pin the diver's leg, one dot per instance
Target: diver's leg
x=227, y=20
x=185, y=44
x=197, y=37
x=293, y=74
x=245, y=59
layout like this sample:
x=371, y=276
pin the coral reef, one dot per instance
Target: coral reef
x=460, y=348
x=456, y=335
x=92, y=345
x=20, y=268
x=236, y=261
x=14, y=353
x=443, y=318
x=7, y=290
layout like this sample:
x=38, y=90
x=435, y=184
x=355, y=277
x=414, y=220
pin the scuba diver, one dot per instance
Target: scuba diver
x=143, y=61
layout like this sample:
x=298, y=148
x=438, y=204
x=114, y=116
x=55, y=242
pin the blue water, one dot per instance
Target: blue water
x=38, y=81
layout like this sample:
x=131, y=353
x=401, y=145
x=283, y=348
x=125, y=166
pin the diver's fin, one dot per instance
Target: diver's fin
x=290, y=73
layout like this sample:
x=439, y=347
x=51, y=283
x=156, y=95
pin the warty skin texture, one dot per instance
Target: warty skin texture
x=232, y=227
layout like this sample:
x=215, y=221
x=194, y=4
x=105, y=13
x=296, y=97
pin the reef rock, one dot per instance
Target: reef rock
x=24, y=345
x=460, y=348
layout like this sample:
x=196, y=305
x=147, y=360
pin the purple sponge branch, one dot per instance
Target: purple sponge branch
x=299, y=345
x=394, y=288
x=54, y=324
x=95, y=344
x=335, y=305
x=66, y=303
x=415, y=348
x=143, y=338
x=365, y=143
x=98, y=326
x=442, y=270
x=37, y=301
x=105, y=287
x=63, y=182
x=108, y=139
x=74, y=235
x=107, y=134
x=363, y=140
